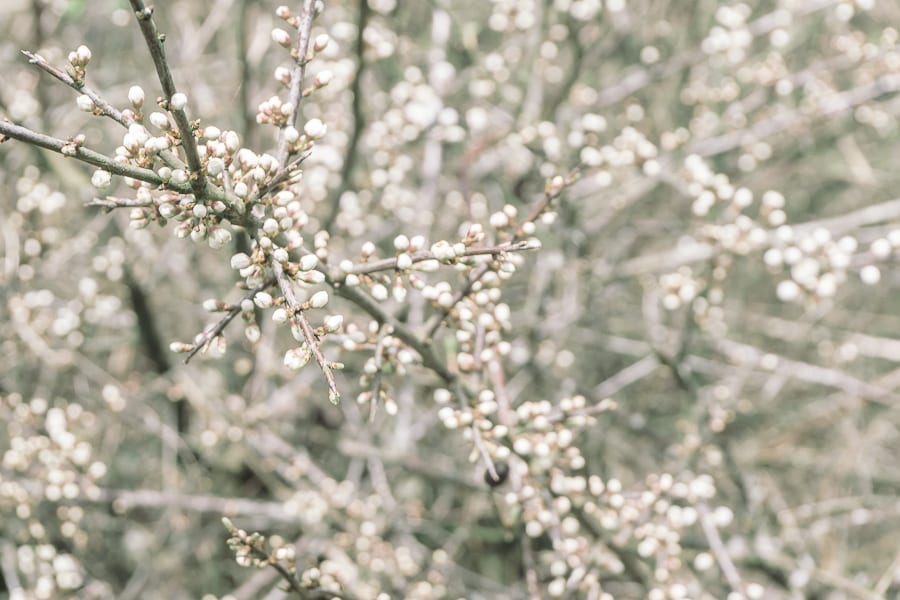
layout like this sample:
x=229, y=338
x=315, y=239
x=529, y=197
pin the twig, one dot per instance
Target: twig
x=219, y=327
x=76, y=150
x=154, y=41
x=391, y=263
x=302, y=48
x=106, y=109
x=299, y=318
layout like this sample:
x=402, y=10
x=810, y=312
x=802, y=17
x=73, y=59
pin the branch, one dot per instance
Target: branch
x=391, y=263
x=299, y=318
x=217, y=329
x=302, y=48
x=154, y=41
x=74, y=149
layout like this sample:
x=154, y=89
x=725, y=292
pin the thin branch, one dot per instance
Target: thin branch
x=74, y=149
x=154, y=41
x=217, y=329
x=391, y=263
x=299, y=318
x=105, y=108
x=302, y=49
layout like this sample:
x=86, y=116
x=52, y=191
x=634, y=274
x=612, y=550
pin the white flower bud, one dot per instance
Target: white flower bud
x=291, y=134
x=212, y=133
x=232, y=141
x=279, y=315
x=218, y=237
x=308, y=262
x=281, y=37
x=84, y=103
x=84, y=54
x=379, y=292
x=263, y=299
x=321, y=42
x=215, y=166
x=179, y=176
x=401, y=242
x=178, y=101
x=296, y=358
x=315, y=128
x=240, y=261
x=136, y=96
x=323, y=78
x=159, y=120
x=101, y=179
x=280, y=255
x=333, y=322
x=319, y=299
x=404, y=261
x=200, y=210
x=270, y=226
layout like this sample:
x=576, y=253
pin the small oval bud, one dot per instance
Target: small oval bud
x=281, y=37
x=101, y=179
x=84, y=103
x=240, y=261
x=136, y=96
x=319, y=299
x=178, y=101
x=308, y=262
x=315, y=128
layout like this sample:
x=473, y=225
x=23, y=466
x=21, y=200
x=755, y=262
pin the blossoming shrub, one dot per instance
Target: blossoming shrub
x=569, y=299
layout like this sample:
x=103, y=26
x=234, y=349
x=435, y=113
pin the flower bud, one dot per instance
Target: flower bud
x=240, y=261
x=101, y=179
x=323, y=78
x=319, y=299
x=84, y=103
x=315, y=128
x=281, y=37
x=296, y=358
x=308, y=262
x=321, y=42
x=263, y=299
x=279, y=315
x=178, y=101
x=136, y=96
x=159, y=120
x=333, y=322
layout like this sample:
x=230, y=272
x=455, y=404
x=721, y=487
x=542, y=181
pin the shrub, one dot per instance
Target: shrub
x=569, y=299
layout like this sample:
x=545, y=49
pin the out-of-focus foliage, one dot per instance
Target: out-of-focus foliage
x=690, y=390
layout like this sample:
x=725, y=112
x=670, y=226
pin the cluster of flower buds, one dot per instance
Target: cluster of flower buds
x=78, y=60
